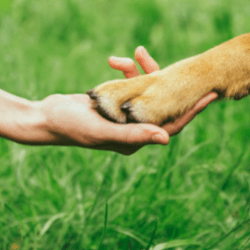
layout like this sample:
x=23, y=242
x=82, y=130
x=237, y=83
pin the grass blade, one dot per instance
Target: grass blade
x=130, y=234
x=49, y=223
x=152, y=236
x=174, y=243
x=105, y=225
x=226, y=235
x=17, y=217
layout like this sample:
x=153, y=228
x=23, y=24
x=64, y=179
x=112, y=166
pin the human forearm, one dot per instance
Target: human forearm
x=21, y=120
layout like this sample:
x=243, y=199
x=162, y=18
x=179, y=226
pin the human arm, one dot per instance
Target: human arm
x=69, y=120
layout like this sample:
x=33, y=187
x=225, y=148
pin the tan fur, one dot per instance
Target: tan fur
x=167, y=94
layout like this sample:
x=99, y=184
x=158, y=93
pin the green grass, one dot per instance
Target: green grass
x=193, y=194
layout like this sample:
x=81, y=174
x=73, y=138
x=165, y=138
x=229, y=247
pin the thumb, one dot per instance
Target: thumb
x=142, y=134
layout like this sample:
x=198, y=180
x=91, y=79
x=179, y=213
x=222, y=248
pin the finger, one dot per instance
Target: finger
x=202, y=103
x=134, y=135
x=147, y=63
x=113, y=136
x=175, y=127
x=127, y=65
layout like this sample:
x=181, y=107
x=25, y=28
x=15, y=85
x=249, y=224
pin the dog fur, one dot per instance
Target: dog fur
x=165, y=95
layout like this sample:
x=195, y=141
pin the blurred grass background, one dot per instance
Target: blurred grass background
x=192, y=194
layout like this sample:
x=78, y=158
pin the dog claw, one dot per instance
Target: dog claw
x=92, y=94
x=125, y=107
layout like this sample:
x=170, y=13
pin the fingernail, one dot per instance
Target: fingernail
x=158, y=138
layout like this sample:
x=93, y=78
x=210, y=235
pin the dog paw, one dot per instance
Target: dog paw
x=154, y=98
x=165, y=95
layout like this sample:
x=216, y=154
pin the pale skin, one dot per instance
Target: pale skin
x=69, y=120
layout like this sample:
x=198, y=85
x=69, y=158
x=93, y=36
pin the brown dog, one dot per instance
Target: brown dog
x=165, y=95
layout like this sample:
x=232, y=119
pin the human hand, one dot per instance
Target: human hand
x=71, y=121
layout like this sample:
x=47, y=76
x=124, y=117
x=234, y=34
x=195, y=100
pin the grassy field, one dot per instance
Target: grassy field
x=193, y=194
